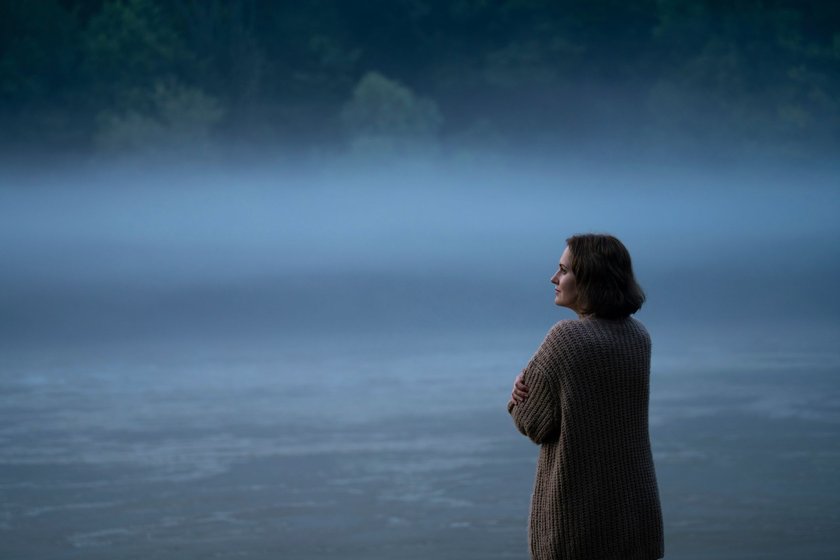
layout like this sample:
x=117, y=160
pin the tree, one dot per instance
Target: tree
x=181, y=119
x=384, y=114
x=39, y=62
x=129, y=46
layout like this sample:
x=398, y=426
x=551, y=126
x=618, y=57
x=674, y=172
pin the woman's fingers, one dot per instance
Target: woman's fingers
x=520, y=390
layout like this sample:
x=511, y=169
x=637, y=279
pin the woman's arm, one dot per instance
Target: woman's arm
x=536, y=415
x=520, y=390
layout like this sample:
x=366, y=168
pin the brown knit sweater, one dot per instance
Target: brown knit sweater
x=595, y=495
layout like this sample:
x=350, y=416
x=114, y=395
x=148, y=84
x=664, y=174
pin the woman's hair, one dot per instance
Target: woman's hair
x=604, y=276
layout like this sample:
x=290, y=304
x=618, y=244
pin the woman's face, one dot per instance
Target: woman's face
x=565, y=287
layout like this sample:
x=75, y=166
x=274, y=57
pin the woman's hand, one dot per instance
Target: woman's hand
x=520, y=390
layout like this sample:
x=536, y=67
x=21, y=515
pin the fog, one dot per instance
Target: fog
x=269, y=246
x=311, y=360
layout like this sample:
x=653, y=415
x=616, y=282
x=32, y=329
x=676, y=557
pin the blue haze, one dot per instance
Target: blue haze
x=312, y=360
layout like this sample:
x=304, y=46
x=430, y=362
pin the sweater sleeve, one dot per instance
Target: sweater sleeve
x=537, y=416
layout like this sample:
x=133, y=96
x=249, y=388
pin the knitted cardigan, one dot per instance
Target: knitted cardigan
x=595, y=494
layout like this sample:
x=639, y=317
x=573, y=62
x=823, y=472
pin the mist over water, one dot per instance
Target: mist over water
x=244, y=357
x=258, y=247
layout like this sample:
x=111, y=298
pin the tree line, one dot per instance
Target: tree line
x=114, y=75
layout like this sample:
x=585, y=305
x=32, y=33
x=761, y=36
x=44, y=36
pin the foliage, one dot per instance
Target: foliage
x=39, y=57
x=384, y=113
x=90, y=74
x=128, y=46
x=182, y=118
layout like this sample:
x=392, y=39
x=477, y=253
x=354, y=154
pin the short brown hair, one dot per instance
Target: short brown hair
x=604, y=276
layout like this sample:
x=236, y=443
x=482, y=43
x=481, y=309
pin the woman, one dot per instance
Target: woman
x=583, y=397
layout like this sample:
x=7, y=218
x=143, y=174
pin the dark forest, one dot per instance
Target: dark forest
x=93, y=76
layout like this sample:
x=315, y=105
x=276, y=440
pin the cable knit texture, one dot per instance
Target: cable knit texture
x=595, y=495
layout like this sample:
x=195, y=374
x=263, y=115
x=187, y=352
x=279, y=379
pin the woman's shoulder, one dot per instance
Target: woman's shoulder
x=577, y=342
x=585, y=328
x=566, y=329
x=638, y=325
